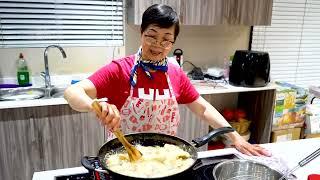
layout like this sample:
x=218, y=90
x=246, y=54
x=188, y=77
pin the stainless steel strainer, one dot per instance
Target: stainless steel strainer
x=241, y=169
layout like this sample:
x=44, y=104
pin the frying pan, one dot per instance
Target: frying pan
x=152, y=139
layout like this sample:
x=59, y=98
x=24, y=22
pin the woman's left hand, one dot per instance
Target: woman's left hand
x=249, y=149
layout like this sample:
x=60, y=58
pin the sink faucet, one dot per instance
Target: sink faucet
x=46, y=64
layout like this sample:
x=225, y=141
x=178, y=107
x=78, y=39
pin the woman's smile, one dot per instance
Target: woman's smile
x=155, y=52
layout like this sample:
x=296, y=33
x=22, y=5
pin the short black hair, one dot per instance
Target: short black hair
x=161, y=15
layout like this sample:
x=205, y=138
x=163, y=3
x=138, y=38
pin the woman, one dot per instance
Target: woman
x=144, y=89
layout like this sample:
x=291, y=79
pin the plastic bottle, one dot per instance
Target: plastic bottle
x=226, y=66
x=22, y=71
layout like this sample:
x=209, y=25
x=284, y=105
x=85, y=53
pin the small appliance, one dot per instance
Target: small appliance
x=178, y=55
x=250, y=69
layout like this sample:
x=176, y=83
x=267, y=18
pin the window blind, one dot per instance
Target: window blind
x=292, y=41
x=38, y=23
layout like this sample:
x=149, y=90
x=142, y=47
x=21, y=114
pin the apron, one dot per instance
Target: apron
x=145, y=114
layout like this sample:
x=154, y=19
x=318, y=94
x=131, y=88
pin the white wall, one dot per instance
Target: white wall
x=79, y=59
x=201, y=45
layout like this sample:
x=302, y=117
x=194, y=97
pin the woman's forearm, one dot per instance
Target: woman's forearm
x=80, y=95
x=78, y=99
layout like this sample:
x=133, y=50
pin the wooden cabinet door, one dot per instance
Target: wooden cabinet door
x=213, y=12
x=248, y=12
x=204, y=12
x=135, y=8
x=209, y=12
x=45, y=138
x=20, y=144
x=68, y=136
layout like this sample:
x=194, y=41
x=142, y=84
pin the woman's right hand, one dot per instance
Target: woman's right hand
x=110, y=116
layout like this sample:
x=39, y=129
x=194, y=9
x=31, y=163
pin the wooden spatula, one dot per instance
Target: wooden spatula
x=133, y=152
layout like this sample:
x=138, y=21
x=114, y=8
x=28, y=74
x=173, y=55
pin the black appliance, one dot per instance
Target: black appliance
x=250, y=69
x=178, y=54
x=201, y=171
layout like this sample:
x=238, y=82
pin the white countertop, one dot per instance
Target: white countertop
x=203, y=87
x=291, y=152
x=32, y=103
x=212, y=87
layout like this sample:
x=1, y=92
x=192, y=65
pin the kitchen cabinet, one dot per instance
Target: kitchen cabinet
x=44, y=138
x=208, y=12
x=257, y=102
x=135, y=8
x=259, y=106
x=247, y=12
x=204, y=12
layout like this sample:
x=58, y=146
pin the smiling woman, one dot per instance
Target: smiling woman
x=144, y=89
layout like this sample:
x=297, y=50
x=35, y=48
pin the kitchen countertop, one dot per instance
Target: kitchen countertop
x=203, y=87
x=32, y=103
x=291, y=152
x=218, y=87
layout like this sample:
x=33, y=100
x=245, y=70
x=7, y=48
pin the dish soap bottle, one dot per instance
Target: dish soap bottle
x=22, y=71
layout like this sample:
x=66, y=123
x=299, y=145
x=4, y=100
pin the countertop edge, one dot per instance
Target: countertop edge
x=32, y=103
x=203, y=90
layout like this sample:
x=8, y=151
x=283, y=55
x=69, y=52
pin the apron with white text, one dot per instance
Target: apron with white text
x=149, y=113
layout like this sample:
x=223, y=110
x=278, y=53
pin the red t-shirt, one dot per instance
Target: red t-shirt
x=112, y=82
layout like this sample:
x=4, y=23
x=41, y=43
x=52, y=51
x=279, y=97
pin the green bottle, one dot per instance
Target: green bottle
x=22, y=71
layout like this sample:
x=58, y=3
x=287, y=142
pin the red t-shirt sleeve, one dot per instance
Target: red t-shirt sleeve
x=112, y=81
x=188, y=92
x=105, y=80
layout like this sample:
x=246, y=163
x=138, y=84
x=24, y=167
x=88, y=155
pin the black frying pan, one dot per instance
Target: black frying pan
x=152, y=139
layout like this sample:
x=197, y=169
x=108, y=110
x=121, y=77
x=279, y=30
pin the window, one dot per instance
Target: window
x=35, y=23
x=293, y=41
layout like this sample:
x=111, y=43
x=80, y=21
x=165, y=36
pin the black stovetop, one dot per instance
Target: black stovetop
x=201, y=171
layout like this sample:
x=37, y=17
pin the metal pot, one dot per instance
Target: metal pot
x=153, y=139
x=240, y=169
x=251, y=170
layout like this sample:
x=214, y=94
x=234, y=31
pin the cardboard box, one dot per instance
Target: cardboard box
x=290, y=107
x=285, y=135
x=307, y=136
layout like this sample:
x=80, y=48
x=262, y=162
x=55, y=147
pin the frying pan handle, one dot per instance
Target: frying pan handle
x=86, y=163
x=206, y=138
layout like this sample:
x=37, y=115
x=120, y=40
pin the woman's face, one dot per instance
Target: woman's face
x=157, y=42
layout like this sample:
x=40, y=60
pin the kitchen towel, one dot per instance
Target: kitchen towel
x=274, y=162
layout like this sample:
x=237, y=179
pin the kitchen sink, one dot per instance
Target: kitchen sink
x=27, y=93
x=57, y=92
